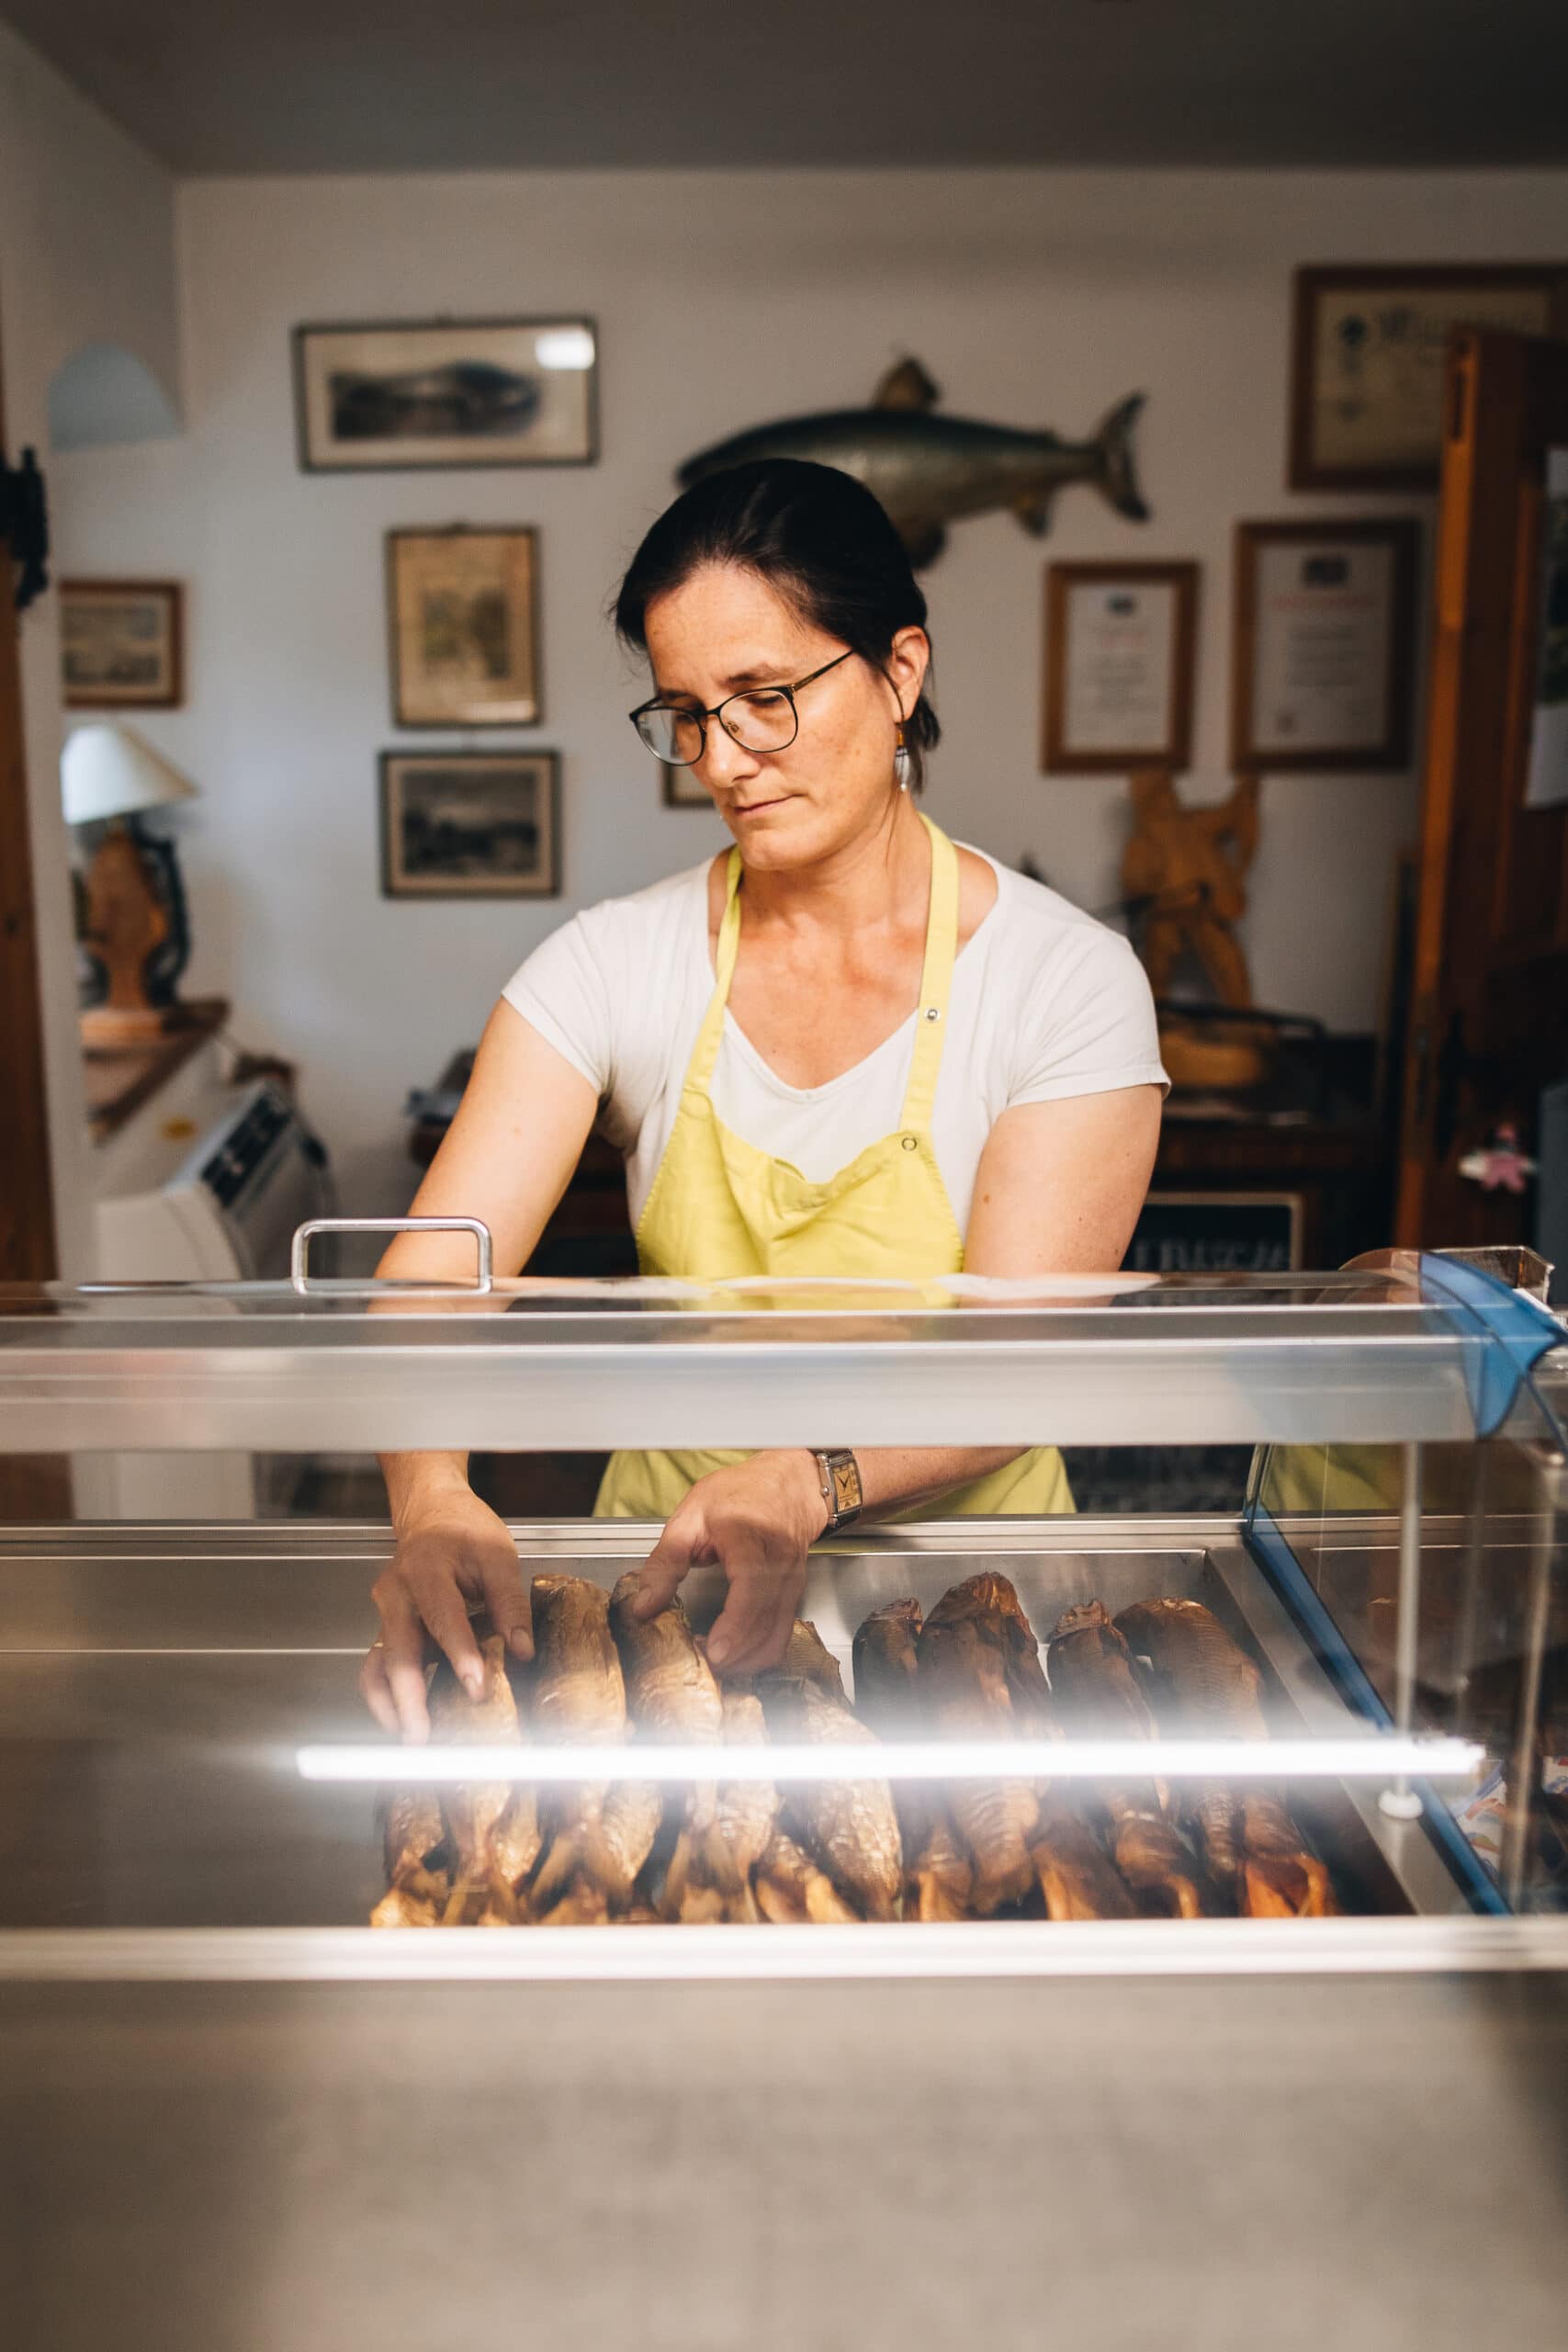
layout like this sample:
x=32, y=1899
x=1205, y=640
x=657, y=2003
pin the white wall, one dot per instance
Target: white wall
x=1033, y=297
x=87, y=256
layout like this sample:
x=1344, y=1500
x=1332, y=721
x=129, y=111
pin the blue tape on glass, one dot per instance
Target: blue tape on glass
x=1511, y=1333
x=1267, y=1542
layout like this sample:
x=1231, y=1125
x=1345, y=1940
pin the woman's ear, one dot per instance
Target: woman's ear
x=908, y=658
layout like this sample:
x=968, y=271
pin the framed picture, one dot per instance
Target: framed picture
x=471, y=824
x=475, y=392
x=122, y=644
x=1118, y=656
x=679, y=788
x=1369, y=356
x=1325, y=629
x=462, y=613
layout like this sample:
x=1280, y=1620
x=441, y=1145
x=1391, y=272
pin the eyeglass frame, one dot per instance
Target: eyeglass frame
x=741, y=693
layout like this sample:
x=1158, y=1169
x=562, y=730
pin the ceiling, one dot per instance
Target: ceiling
x=317, y=85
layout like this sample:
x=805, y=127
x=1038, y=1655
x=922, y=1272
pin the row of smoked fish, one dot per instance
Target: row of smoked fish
x=506, y=1853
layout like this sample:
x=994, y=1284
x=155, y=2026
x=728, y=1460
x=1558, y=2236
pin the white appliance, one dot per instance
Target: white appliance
x=224, y=1211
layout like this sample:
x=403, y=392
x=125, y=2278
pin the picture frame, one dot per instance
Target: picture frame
x=1121, y=642
x=401, y=396
x=1234, y=1232
x=1325, y=631
x=122, y=644
x=1368, y=360
x=462, y=824
x=463, y=625
x=679, y=788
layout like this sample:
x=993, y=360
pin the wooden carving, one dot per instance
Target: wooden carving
x=1184, y=872
x=1187, y=867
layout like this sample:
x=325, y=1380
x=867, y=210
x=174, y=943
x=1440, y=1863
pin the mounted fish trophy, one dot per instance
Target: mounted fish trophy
x=1184, y=873
x=930, y=471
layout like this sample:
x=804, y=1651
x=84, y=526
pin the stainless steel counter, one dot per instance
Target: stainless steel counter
x=1372, y=2164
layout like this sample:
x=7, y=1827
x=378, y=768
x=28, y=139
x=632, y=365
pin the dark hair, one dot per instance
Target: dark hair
x=815, y=535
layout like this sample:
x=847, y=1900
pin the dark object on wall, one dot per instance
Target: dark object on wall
x=122, y=644
x=1120, y=641
x=463, y=626
x=24, y=525
x=1321, y=667
x=471, y=824
x=452, y=392
x=1367, y=364
x=930, y=471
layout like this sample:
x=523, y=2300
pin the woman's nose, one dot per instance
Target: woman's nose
x=726, y=762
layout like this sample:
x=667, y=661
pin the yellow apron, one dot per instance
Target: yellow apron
x=720, y=1208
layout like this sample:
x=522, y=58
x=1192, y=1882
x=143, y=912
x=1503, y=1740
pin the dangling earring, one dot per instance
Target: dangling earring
x=902, y=764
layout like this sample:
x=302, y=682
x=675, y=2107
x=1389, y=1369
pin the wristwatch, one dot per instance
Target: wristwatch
x=842, y=1490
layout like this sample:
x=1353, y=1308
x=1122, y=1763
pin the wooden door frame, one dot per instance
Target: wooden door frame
x=32, y=1486
x=27, y=1192
x=1466, y=952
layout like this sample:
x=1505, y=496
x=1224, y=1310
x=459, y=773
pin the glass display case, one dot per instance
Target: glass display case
x=1326, y=1728
x=1150, y=1926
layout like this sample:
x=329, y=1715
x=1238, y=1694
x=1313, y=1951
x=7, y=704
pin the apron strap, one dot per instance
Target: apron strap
x=936, y=982
x=704, y=1053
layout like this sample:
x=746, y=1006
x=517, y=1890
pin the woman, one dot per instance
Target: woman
x=844, y=1048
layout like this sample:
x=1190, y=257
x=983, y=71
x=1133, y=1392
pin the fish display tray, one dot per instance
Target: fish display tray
x=156, y=1683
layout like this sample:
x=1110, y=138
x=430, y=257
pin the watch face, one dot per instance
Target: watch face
x=846, y=1486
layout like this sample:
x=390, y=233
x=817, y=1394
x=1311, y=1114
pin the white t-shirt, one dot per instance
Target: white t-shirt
x=1045, y=1003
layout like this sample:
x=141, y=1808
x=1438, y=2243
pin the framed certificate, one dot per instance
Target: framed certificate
x=1325, y=628
x=1119, y=655
x=1369, y=356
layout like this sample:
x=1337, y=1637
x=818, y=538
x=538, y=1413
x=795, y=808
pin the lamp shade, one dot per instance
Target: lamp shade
x=108, y=771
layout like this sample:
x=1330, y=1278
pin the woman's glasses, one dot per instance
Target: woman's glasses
x=762, y=719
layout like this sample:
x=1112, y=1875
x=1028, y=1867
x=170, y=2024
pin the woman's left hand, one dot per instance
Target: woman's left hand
x=757, y=1519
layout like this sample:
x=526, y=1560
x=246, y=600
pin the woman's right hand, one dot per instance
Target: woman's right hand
x=452, y=1552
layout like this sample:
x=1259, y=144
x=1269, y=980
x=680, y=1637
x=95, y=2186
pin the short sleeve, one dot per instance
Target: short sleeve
x=1087, y=1023
x=563, y=991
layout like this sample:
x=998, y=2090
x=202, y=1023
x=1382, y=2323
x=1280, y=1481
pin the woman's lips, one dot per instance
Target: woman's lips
x=754, y=807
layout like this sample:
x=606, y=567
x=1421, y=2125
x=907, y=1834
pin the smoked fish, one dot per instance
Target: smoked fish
x=671, y=1692
x=475, y=1813
x=577, y=1692
x=992, y=1596
x=748, y=1810
x=671, y=1695
x=886, y=1662
x=886, y=1656
x=808, y=1660
x=1096, y=1695
x=1077, y=1881
x=850, y=1827
x=941, y=1875
x=1202, y=1682
x=965, y=1694
x=791, y=1889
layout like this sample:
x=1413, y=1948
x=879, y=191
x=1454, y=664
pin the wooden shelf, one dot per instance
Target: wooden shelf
x=119, y=1079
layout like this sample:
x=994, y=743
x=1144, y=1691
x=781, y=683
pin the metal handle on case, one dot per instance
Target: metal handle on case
x=304, y=1233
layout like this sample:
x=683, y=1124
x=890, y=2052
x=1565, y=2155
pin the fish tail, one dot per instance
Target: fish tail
x=719, y=1865
x=557, y=1866
x=1117, y=465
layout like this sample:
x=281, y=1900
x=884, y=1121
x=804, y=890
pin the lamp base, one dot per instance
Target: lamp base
x=107, y=1028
